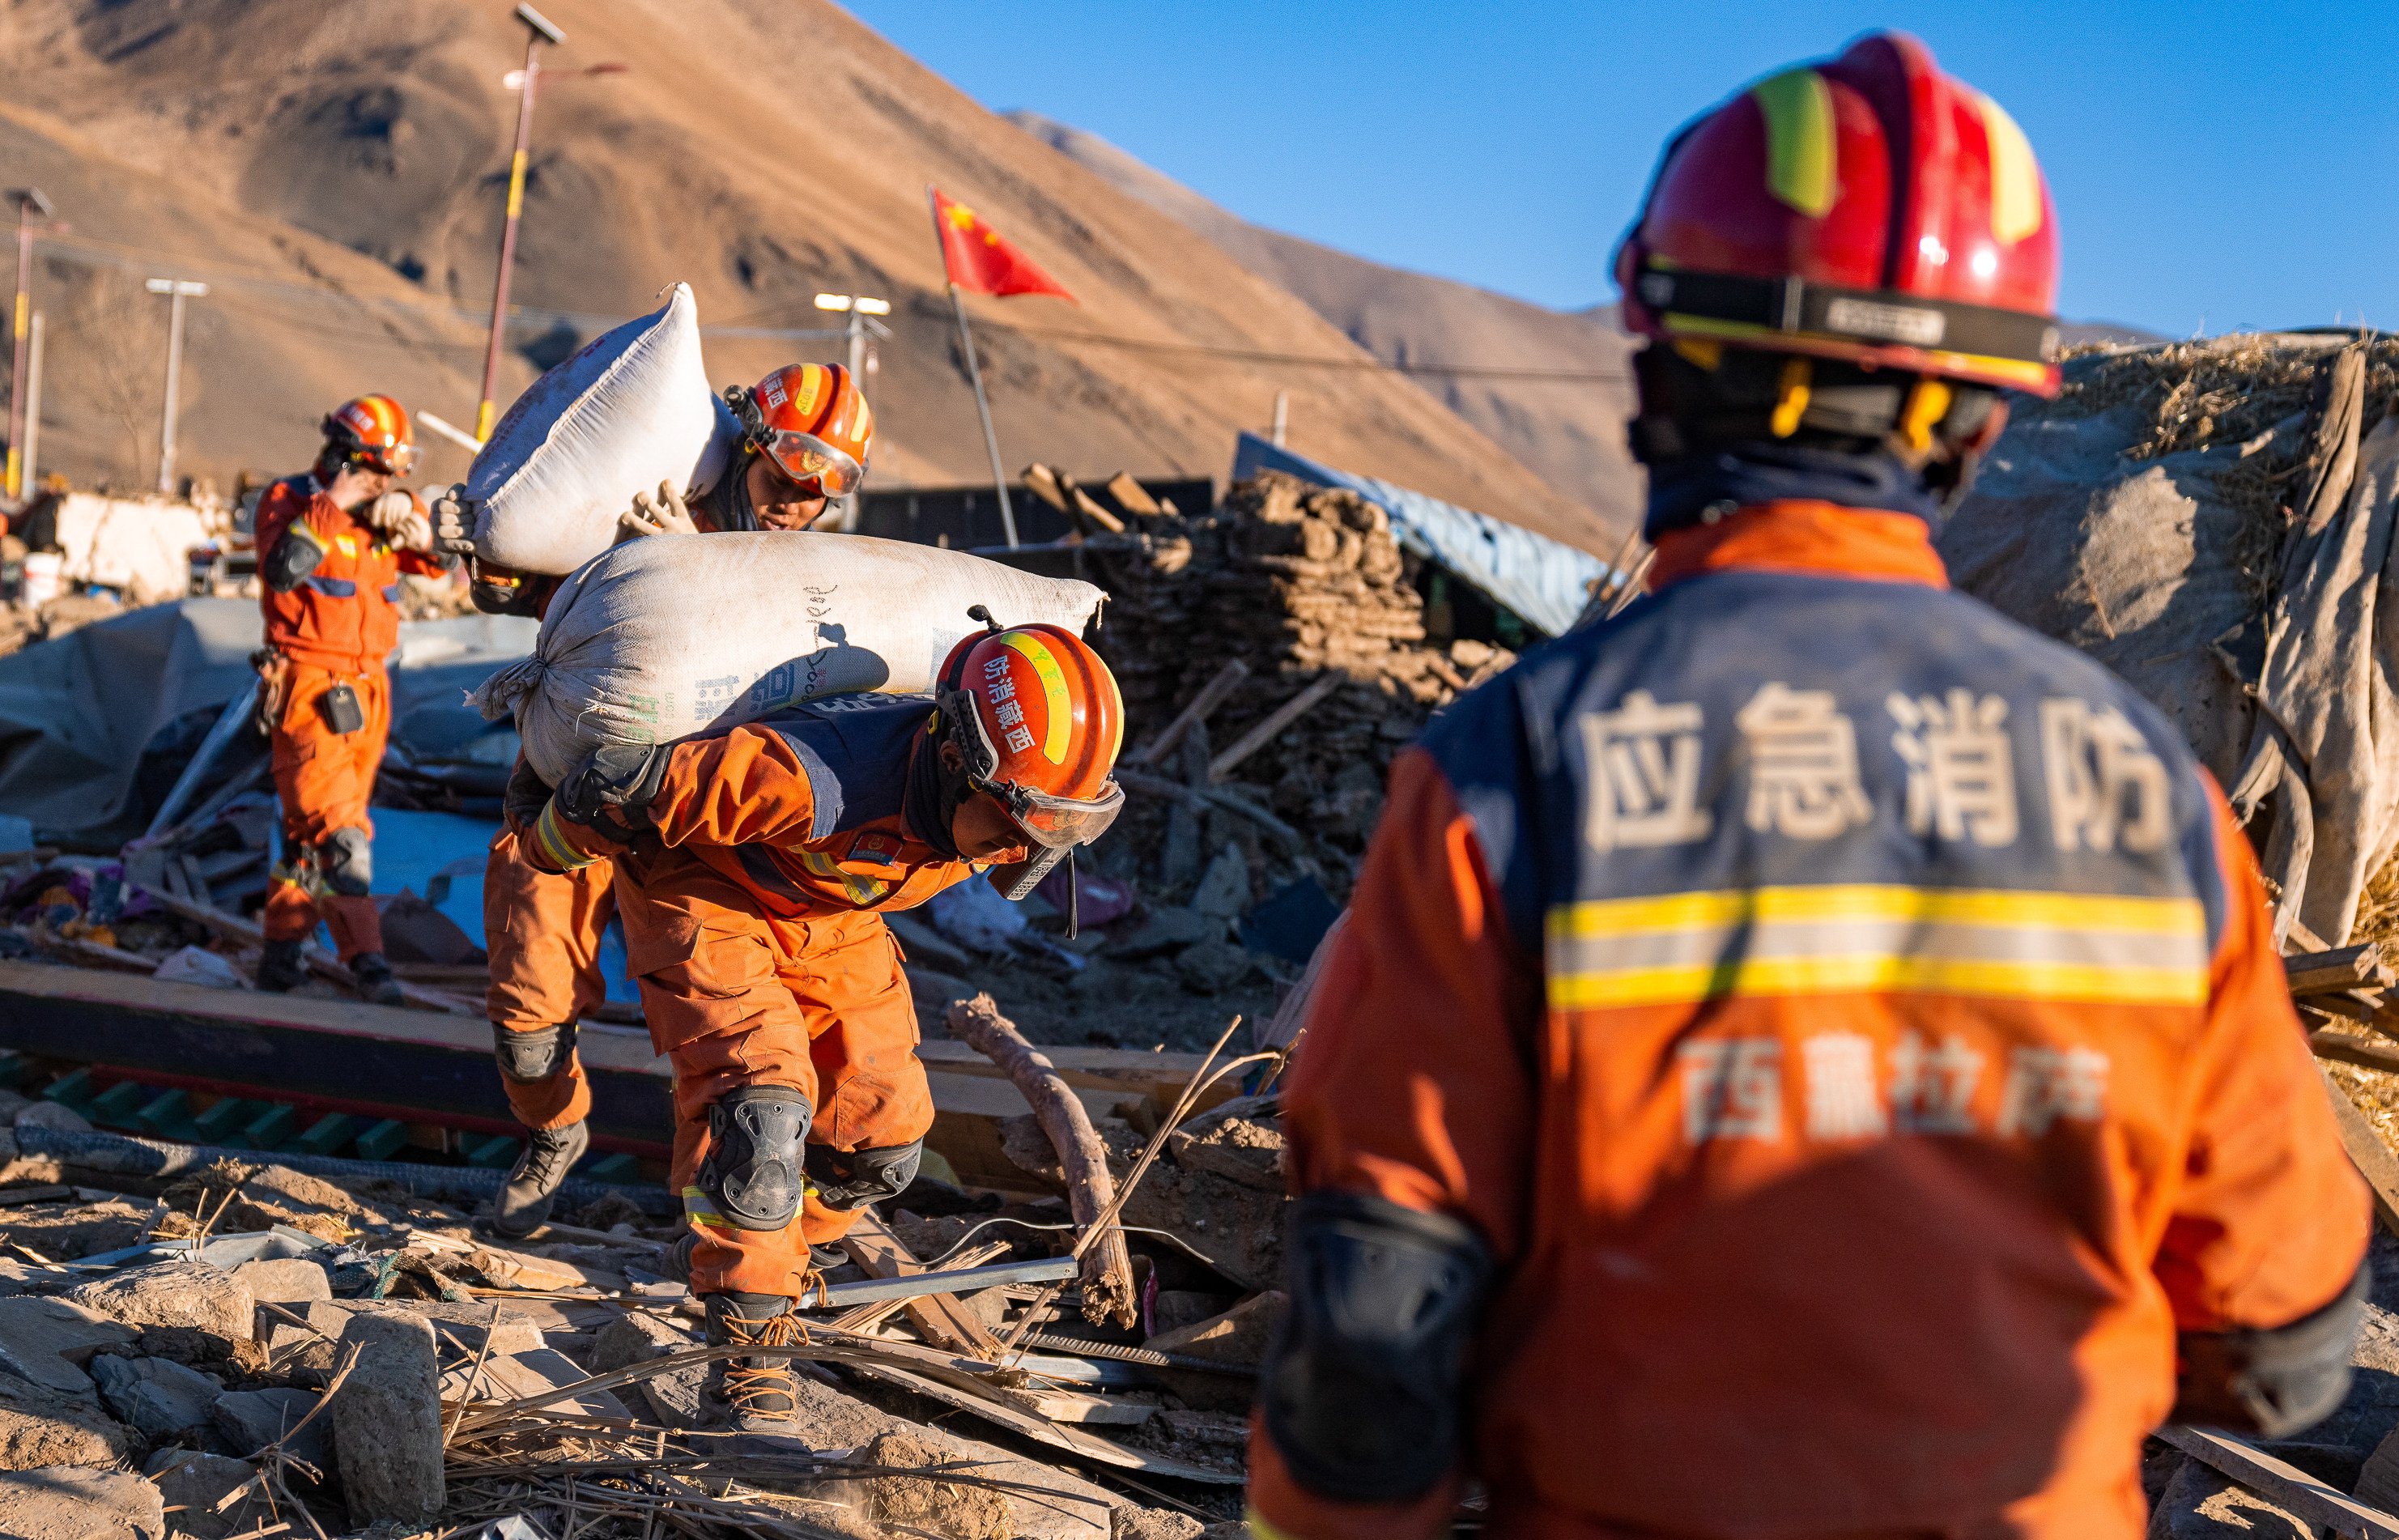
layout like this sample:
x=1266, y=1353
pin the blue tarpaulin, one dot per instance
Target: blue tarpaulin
x=1543, y=581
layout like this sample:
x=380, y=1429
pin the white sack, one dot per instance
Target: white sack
x=143, y=549
x=675, y=635
x=630, y=409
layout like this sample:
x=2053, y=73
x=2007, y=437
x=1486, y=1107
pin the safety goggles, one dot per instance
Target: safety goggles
x=1053, y=823
x=811, y=462
x=392, y=459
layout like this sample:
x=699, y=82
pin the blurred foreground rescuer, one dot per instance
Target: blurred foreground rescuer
x=1808, y=1058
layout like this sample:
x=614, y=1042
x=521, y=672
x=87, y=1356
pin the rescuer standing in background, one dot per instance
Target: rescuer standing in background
x=807, y=438
x=1807, y=1014
x=333, y=546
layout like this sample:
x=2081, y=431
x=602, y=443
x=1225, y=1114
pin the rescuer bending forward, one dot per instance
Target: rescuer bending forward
x=807, y=438
x=750, y=868
x=333, y=544
x=1807, y=1014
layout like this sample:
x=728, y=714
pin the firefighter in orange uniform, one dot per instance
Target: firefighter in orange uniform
x=807, y=435
x=333, y=544
x=753, y=870
x=1809, y=1015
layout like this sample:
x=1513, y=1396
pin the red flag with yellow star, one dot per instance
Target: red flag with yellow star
x=980, y=262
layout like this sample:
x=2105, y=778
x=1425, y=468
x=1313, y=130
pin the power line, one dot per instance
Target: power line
x=1307, y=360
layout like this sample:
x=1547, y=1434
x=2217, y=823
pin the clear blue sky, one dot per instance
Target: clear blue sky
x=2216, y=165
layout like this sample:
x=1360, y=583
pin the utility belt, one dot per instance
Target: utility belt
x=338, y=707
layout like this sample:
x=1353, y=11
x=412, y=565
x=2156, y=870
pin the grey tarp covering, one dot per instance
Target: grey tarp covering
x=77, y=714
x=1544, y=583
x=2138, y=563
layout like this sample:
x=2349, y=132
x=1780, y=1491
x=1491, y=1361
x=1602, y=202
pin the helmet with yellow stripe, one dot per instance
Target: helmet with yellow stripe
x=1867, y=208
x=1040, y=722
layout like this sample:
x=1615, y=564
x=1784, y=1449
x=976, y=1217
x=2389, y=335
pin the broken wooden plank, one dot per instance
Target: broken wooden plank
x=2367, y=1151
x=2283, y=1485
x=1108, y=1293
x=318, y=958
x=920, y=1285
x=1212, y=695
x=1042, y=483
x=942, y=1318
x=2349, y=1048
x=1266, y=731
x=1082, y=1406
x=1132, y=496
x=2360, y=966
x=1089, y=509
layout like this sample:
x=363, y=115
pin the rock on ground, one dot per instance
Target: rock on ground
x=2199, y=1504
x=250, y=1420
x=919, y=1503
x=67, y=1503
x=195, y=1483
x=189, y=1294
x=284, y=1280
x=675, y=1398
x=44, y=1340
x=157, y=1398
x=388, y=1421
x=1133, y=1523
x=465, y=1325
x=40, y=1427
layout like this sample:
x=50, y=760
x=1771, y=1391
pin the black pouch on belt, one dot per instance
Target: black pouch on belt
x=340, y=708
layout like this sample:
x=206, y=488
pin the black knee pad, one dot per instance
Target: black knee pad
x=346, y=857
x=847, y=1179
x=753, y=1170
x=526, y=1057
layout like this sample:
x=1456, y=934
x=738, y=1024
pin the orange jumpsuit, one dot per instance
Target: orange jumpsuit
x=752, y=921
x=1852, y=1024
x=542, y=929
x=335, y=629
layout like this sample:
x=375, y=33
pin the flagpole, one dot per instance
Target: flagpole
x=974, y=372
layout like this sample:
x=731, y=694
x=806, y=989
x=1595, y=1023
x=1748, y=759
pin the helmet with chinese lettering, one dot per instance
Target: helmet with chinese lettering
x=371, y=431
x=813, y=422
x=1861, y=247
x=1039, y=718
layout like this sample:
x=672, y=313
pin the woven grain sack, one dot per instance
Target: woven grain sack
x=675, y=635
x=630, y=410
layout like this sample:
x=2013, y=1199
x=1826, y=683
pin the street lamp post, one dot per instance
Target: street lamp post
x=861, y=309
x=538, y=29
x=30, y=203
x=177, y=290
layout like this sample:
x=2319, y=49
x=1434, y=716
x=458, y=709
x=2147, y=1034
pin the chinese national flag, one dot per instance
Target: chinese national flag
x=980, y=262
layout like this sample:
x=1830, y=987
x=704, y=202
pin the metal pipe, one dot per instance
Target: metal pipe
x=31, y=475
x=982, y=406
x=231, y=721
x=30, y=202
x=963, y=1280
x=176, y=290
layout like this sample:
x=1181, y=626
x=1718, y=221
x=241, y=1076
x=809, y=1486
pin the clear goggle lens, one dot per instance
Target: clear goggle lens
x=1057, y=822
x=807, y=459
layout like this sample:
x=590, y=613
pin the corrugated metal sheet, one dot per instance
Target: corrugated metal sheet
x=1544, y=582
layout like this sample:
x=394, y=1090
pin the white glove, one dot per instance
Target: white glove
x=453, y=523
x=400, y=519
x=655, y=513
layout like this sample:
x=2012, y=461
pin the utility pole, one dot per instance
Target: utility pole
x=177, y=290
x=538, y=29
x=861, y=309
x=30, y=204
x=32, y=404
x=1283, y=412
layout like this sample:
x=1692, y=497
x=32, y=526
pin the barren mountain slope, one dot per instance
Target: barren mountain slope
x=1571, y=433
x=762, y=150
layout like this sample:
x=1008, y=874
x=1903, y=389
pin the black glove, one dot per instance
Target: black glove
x=612, y=789
x=522, y=803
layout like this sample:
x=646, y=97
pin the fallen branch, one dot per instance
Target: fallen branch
x=1091, y=1191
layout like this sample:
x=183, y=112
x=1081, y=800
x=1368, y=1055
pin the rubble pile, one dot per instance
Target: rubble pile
x=1307, y=588
x=245, y=1345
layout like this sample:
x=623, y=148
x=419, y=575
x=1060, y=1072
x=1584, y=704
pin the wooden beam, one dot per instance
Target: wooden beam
x=1132, y=496
x=2367, y=1151
x=1212, y=695
x=2349, y=1048
x=1269, y=730
x=2283, y=1485
x=943, y=1318
x=318, y=960
x=2360, y=966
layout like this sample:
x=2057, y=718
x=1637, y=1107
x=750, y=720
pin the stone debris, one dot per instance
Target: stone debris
x=159, y=1399
x=250, y=1419
x=187, y=1295
x=43, y=1340
x=41, y=1427
x=70, y=1503
x=388, y=1421
x=916, y=1504
x=284, y=1280
x=194, y=1484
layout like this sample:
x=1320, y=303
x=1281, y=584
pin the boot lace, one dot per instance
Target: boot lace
x=763, y=1386
x=542, y=1158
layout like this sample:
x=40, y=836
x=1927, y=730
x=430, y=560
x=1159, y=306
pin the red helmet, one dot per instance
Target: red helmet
x=1868, y=208
x=1040, y=722
x=813, y=422
x=373, y=431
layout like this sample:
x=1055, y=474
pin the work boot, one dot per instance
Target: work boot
x=376, y=986
x=753, y=1395
x=279, y=967
x=523, y=1204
